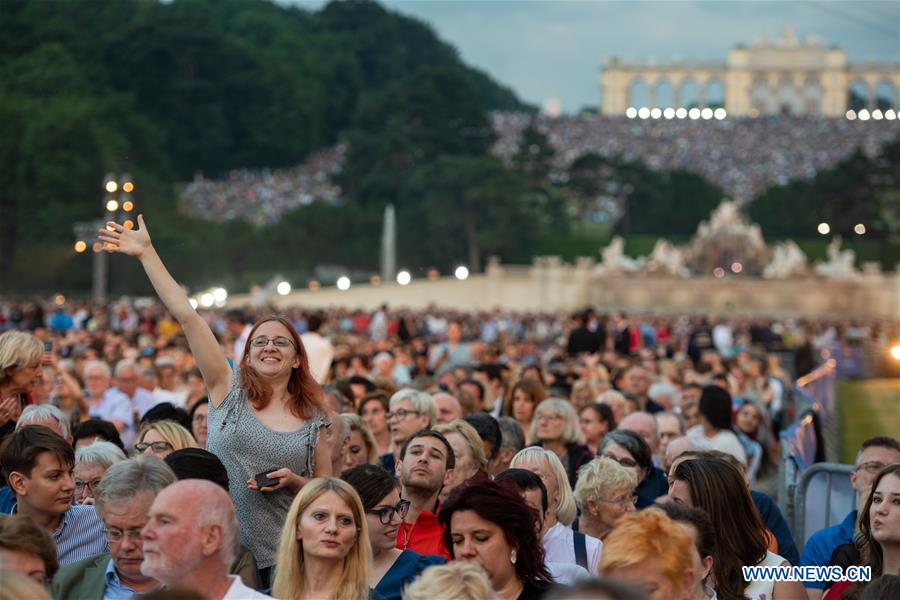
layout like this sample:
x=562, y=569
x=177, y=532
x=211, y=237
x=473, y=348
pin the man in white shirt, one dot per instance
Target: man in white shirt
x=126, y=378
x=318, y=349
x=106, y=402
x=190, y=541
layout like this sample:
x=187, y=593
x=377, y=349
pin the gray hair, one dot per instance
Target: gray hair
x=421, y=400
x=664, y=389
x=223, y=515
x=96, y=365
x=129, y=478
x=124, y=365
x=571, y=431
x=33, y=415
x=512, y=434
x=105, y=454
x=18, y=349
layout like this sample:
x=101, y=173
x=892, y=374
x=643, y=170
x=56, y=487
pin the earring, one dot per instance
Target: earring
x=512, y=557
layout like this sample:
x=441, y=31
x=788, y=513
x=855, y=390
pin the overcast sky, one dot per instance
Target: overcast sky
x=553, y=49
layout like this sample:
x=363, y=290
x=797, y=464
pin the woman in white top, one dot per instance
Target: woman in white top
x=718, y=488
x=714, y=430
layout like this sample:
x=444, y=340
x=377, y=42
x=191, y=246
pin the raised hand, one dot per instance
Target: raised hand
x=133, y=242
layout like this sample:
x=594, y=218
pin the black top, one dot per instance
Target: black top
x=534, y=591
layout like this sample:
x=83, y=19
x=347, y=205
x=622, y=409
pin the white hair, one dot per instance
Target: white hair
x=100, y=452
x=421, y=400
x=124, y=365
x=96, y=365
x=37, y=413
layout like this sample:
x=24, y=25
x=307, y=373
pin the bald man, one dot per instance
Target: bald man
x=448, y=407
x=190, y=541
x=645, y=426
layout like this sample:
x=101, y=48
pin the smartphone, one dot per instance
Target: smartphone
x=48, y=346
x=262, y=479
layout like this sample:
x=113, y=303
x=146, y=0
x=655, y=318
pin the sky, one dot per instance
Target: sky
x=547, y=50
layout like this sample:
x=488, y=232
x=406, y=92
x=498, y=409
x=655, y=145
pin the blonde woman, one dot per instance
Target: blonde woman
x=360, y=447
x=162, y=438
x=604, y=494
x=20, y=372
x=555, y=427
x=458, y=580
x=558, y=538
x=324, y=550
x=468, y=450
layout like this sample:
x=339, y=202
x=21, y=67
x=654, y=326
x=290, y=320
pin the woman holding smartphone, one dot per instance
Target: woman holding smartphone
x=266, y=416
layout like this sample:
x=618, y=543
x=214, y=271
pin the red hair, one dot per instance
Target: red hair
x=305, y=393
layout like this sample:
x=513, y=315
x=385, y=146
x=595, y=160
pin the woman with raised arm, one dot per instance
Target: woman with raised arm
x=265, y=416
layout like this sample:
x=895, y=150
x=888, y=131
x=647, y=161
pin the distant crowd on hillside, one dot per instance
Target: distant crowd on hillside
x=743, y=156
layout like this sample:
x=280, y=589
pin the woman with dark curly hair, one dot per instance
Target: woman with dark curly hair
x=489, y=523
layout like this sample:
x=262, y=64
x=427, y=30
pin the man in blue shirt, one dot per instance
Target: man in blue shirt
x=873, y=456
x=38, y=464
x=124, y=496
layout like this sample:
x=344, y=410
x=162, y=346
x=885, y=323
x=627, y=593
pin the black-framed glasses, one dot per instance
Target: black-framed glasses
x=401, y=413
x=262, y=341
x=80, y=485
x=386, y=513
x=117, y=535
x=625, y=462
x=142, y=447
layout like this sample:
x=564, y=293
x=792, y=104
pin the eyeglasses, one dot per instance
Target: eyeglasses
x=625, y=462
x=117, y=535
x=548, y=417
x=623, y=503
x=80, y=486
x=386, y=514
x=401, y=413
x=872, y=466
x=156, y=446
x=262, y=341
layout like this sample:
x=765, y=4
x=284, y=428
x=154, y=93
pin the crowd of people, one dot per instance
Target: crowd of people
x=743, y=156
x=150, y=450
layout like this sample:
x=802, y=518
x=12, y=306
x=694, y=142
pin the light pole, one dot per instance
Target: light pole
x=117, y=203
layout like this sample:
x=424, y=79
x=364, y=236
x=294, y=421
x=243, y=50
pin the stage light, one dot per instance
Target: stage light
x=851, y=115
x=655, y=113
x=719, y=272
x=890, y=115
x=343, y=283
x=824, y=228
x=461, y=273
x=895, y=352
x=128, y=187
x=706, y=114
x=694, y=113
x=863, y=115
x=283, y=288
x=681, y=113
x=59, y=299
x=111, y=186
x=80, y=246
x=219, y=295
x=669, y=113
x=207, y=300
x=736, y=267
x=860, y=229
x=128, y=206
x=877, y=115
x=112, y=205
x=644, y=112
x=720, y=114
x=128, y=224
x=403, y=277
x=631, y=112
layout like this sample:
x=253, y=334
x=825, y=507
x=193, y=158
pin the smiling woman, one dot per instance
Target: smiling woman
x=265, y=416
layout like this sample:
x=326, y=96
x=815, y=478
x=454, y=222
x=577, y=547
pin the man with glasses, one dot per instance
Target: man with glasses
x=409, y=411
x=123, y=499
x=874, y=454
x=126, y=380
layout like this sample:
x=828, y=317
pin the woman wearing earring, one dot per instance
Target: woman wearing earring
x=490, y=524
x=392, y=569
x=324, y=549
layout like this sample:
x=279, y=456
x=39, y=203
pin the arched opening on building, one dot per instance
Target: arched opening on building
x=637, y=92
x=885, y=95
x=786, y=97
x=664, y=95
x=690, y=93
x=760, y=97
x=858, y=95
x=715, y=93
x=812, y=97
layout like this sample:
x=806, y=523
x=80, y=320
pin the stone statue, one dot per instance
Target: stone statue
x=667, y=259
x=840, y=263
x=788, y=260
x=616, y=261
